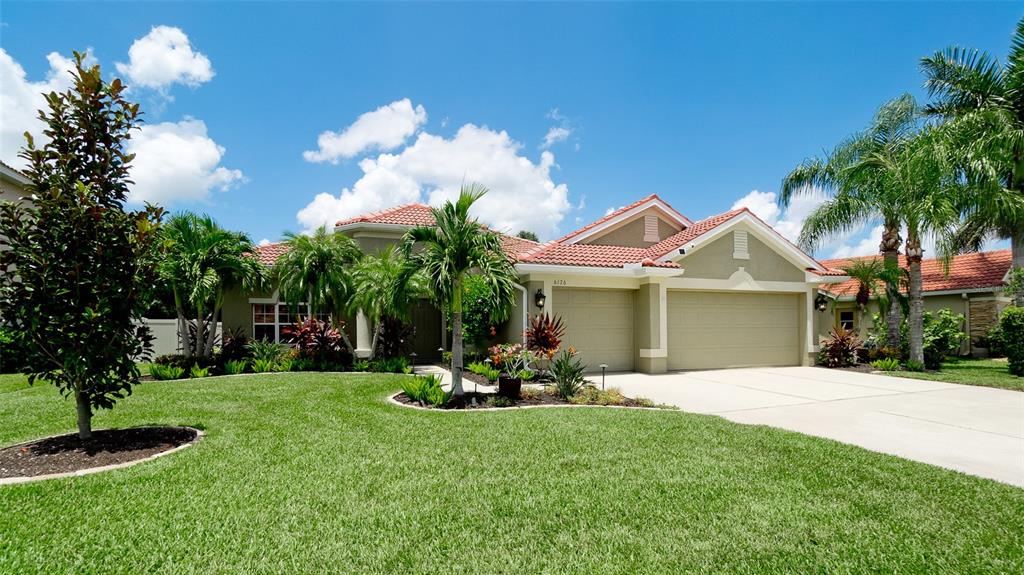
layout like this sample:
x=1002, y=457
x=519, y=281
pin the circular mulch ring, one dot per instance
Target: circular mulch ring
x=67, y=455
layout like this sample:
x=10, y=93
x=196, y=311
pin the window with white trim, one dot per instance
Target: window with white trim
x=846, y=320
x=273, y=322
x=651, y=229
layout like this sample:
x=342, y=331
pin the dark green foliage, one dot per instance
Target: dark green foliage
x=361, y=365
x=994, y=341
x=478, y=311
x=85, y=267
x=914, y=365
x=162, y=372
x=185, y=363
x=426, y=390
x=943, y=335
x=567, y=371
x=235, y=366
x=390, y=365
x=263, y=365
x=395, y=339
x=269, y=351
x=839, y=349
x=544, y=334
x=1012, y=324
x=10, y=357
x=235, y=346
x=528, y=235
x=500, y=401
x=886, y=364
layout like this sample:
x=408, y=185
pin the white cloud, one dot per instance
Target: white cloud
x=164, y=57
x=383, y=129
x=612, y=209
x=21, y=99
x=178, y=161
x=555, y=134
x=787, y=222
x=264, y=242
x=522, y=193
x=559, y=132
x=863, y=246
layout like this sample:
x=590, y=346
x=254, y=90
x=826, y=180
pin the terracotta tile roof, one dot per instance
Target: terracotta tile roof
x=269, y=253
x=404, y=215
x=675, y=241
x=615, y=214
x=592, y=255
x=966, y=271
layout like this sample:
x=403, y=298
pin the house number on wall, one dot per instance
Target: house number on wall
x=559, y=283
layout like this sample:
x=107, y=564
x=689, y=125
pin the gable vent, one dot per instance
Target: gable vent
x=651, y=229
x=739, y=245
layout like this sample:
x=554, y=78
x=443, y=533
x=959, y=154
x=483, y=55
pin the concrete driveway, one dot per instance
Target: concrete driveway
x=977, y=430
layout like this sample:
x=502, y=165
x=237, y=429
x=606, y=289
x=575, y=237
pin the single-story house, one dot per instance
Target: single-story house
x=643, y=288
x=972, y=286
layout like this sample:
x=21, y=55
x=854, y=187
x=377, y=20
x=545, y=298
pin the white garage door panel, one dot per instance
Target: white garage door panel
x=709, y=330
x=599, y=324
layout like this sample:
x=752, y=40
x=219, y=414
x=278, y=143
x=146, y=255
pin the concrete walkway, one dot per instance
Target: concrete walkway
x=977, y=430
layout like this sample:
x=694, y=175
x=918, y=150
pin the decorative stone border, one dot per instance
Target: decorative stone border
x=91, y=470
x=391, y=398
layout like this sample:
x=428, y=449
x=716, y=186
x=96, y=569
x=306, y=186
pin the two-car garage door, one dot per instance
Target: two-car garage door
x=708, y=330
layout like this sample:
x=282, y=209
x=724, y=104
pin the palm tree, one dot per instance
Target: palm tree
x=868, y=275
x=455, y=247
x=859, y=195
x=317, y=269
x=982, y=101
x=201, y=262
x=383, y=290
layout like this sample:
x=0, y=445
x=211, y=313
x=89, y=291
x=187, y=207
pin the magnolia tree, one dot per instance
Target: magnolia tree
x=76, y=269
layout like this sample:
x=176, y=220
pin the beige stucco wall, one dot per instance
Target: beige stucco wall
x=715, y=261
x=631, y=232
x=374, y=243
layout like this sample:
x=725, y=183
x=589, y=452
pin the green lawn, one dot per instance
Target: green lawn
x=986, y=372
x=317, y=473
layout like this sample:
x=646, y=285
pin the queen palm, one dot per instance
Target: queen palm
x=860, y=194
x=317, y=269
x=868, y=274
x=201, y=262
x=384, y=291
x=455, y=247
x=982, y=103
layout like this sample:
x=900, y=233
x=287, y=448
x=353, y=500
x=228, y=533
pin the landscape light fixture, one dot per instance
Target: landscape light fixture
x=539, y=298
x=821, y=302
x=603, y=367
x=413, y=356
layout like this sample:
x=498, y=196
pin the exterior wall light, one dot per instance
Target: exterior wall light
x=539, y=298
x=821, y=302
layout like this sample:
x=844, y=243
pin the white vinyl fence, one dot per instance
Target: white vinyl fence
x=166, y=339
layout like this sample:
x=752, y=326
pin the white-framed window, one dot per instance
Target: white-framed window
x=274, y=321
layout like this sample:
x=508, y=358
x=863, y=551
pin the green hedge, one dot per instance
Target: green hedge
x=1012, y=327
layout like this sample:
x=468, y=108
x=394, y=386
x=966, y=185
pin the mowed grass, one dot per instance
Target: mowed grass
x=318, y=473
x=986, y=372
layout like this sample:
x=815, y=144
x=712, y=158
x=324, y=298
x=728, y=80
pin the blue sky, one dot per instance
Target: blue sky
x=700, y=103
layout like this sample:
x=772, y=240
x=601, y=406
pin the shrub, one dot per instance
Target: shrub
x=266, y=351
x=426, y=389
x=995, y=341
x=511, y=358
x=164, y=372
x=361, y=365
x=492, y=374
x=942, y=336
x=446, y=357
x=9, y=355
x=544, y=335
x=235, y=347
x=390, y=365
x=567, y=371
x=884, y=352
x=478, y=367
x=527, y=374
x=437, y=396
x=593, y=396
x=395, y=338
x=477, y=311
x=499, y=401
x=1012, y=324
x=198, y=372
x=262, y=365
x=317, y=341
x=302, y=364
x=235, y=366
x=839, y=349
x=914, y=365
x=185, y=363
x=531, y=393
x=284, y=365
x=886, y=364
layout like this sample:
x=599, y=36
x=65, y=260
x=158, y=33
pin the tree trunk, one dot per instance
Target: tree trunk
x=457, y=338
x=376, y=338
x=211, y=336
x=1017, y=261
x=84, y=415
x=199, y=332
x=890, y=248
x=186, y=341
x=915, y=322
x=340, y=326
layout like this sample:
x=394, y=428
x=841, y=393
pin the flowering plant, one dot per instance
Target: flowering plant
x=512, y=358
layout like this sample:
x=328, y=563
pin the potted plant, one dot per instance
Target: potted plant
x=513, y=360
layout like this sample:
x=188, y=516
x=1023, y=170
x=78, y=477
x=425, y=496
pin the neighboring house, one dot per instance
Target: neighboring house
x=13, y=183
x=641, y=289
x=973, y=287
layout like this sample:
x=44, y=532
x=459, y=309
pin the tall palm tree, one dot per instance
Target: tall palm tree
x=317, y=269
x=201, y=262
x=859, y=195
x=383, y=290
x=459, y=245
x=983, y=102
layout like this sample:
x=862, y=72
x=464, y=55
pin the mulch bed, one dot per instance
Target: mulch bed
x=68, y=453
x=544, y=398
